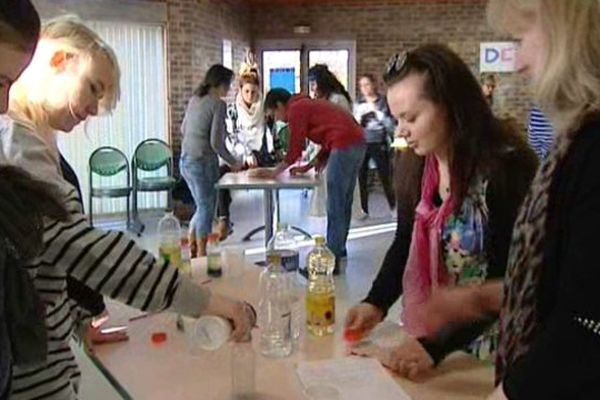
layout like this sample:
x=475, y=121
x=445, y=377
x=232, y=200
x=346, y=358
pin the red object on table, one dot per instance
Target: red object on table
x=353, y=335
x=159, y=337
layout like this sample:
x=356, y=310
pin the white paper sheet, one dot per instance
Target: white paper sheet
x=355, y=378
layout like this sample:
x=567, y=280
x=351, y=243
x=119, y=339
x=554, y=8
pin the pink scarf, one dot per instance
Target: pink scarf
x=425, y=270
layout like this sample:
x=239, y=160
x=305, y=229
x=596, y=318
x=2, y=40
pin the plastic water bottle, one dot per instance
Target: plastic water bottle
x=274, y=310
x=169, y=231
x=284, y=243
x=320, y=292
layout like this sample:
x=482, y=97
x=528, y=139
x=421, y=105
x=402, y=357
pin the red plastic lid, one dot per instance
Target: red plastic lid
x=353, y=335
x=159, y=337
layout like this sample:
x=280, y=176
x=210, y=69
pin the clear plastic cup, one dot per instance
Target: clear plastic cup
x=207, y=333
x=233, y=259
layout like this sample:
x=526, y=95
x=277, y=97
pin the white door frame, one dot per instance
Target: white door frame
x=304, y=45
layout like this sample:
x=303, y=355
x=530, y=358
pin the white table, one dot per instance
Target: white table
x=139, y=369
x=270, y=188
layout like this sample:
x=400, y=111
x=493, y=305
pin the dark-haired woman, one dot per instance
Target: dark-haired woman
x=204, y=134
x=459, y=190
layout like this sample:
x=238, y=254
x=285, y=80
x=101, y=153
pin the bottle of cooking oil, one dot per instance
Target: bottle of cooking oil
x=320, y=292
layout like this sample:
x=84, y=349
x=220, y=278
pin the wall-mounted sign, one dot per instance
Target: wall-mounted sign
x=497, y=56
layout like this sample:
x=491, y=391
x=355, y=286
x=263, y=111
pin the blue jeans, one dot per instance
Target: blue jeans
x=342, y=171
x=201, y=175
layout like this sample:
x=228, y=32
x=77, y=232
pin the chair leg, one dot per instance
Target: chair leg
x=137, y=227
x=128, y=213
x=91, y=213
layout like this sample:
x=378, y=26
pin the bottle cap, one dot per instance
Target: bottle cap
x=274, y=257
x=319, y=240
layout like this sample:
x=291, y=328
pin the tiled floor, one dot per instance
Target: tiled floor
x=365, y=252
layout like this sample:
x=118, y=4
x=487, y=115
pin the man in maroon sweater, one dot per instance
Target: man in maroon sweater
x=342, y=149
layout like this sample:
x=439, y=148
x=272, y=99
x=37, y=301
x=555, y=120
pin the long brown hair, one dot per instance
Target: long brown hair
x=477, y=137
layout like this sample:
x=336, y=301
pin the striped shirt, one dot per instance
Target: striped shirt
x=540, y=133
x=108, y=262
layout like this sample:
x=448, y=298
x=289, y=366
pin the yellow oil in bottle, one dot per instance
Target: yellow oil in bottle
x=320, y=292
x=320, y=309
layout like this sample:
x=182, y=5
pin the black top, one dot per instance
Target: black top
x=506, y=190
x=90, y=300
x=564, y=361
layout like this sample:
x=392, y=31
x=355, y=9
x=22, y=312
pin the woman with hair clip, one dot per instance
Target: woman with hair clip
x=247, y=119
x=74, y=75
x=204, y=133
x=459, y=187
x=549, y=344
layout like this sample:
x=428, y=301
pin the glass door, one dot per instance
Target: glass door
x=285, y=63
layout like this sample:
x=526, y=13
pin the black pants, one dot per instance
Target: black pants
x=379, y=152
x=223, y=196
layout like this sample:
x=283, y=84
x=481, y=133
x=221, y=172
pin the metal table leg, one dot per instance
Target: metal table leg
x=270, y=217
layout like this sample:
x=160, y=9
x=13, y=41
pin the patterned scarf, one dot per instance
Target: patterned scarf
x=518, y=319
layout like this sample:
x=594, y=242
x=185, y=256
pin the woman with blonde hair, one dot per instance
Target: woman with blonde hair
x=250, y=141
x=74, y=75
x=549, y=345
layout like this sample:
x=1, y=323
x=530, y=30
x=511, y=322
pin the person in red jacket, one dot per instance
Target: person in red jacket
x=342, y=149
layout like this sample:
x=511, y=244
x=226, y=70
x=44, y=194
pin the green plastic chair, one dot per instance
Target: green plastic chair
x=151, y=155
x=107, y=162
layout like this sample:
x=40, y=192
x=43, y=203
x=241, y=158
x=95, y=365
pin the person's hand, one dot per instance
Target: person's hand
x=94, y=336
x=410, y=359
x=240, y=314
x=300, y=170
x=498, y=394
x=461, y=304
x=251, y=162
x=264, y=173
x=363, y=318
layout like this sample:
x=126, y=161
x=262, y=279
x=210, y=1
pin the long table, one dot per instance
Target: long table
x=139, y=369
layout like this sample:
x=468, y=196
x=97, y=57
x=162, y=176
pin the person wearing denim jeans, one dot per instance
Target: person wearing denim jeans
x=201, y=175
x=204, y=133
x=342, y=148
x=342, y=172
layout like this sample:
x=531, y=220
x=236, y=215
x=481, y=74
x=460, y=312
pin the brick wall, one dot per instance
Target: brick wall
x=382, y=28
x=196, y=30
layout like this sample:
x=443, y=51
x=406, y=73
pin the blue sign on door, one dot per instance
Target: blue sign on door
x=283, y=78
